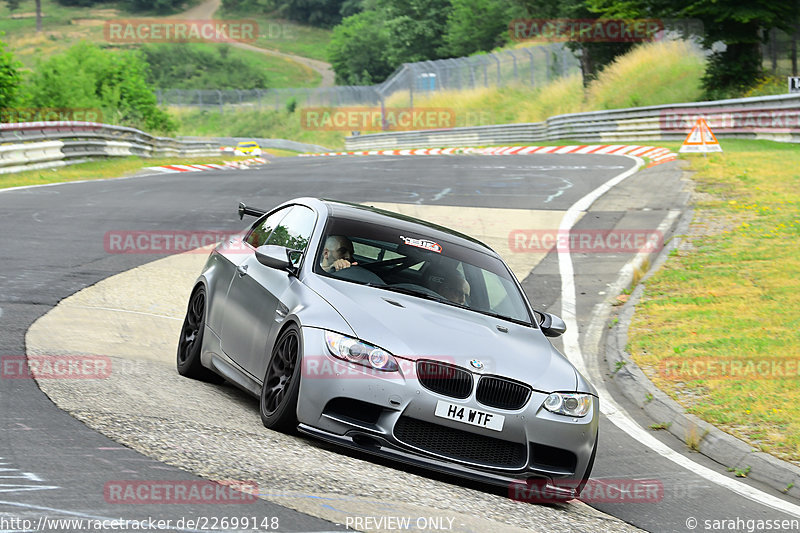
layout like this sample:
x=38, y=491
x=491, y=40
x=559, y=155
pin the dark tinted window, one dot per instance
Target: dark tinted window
x=417, y=264
x=294, y=231
x=262, y=229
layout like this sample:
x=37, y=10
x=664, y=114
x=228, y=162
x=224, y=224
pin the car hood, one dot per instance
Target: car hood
x=414, y=328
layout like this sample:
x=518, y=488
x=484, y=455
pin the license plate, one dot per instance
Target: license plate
x=468, y=415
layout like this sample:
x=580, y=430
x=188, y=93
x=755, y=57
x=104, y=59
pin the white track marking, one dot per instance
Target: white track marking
x=614, y=413
x=441, y=194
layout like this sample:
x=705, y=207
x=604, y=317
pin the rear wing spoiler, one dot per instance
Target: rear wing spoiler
x=250, y=211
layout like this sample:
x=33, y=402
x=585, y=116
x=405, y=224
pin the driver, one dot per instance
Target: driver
x=455, y=288
x=337, y=254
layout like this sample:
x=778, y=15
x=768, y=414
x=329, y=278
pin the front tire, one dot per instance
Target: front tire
x=190, y=343
x=281, y=386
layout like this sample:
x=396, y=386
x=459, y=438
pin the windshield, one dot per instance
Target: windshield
x=418, y=265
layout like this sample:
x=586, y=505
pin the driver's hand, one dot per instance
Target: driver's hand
x=341, y=264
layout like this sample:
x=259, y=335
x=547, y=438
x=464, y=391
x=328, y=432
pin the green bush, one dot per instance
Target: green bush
x=9, y=77
x=86, y=76
x=358, y=50
x=768, y=85
x=202, y=66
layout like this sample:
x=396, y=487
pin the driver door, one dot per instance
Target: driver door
x=255, y=302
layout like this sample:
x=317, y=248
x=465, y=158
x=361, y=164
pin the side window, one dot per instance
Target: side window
x=261, y=231
x=500, y=293
x=294, y=231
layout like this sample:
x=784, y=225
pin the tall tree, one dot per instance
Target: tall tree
x=593, y=55
x=368, y=46
x=357, y=51
x=416, y=29
x=741, y=25
x=479, y=25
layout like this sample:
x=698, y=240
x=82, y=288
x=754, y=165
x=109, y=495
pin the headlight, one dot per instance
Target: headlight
x=360, y=353
x=568, y=404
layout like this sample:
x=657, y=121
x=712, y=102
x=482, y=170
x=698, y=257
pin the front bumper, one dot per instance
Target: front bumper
x=392, y=415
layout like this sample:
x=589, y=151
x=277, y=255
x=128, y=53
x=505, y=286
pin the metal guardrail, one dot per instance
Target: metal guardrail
x=36, y=145
x=768, y=117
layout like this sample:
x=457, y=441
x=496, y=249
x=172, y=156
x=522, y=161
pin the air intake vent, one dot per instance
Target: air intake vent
x=460, y=445
x=502, y=393
x=445, y=379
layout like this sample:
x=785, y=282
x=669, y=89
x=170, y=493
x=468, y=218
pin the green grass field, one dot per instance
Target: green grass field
x=253, y=123
x=733, y=295
x=63, y=26
x=281, y=73
x=287, y=36
x=108, y=168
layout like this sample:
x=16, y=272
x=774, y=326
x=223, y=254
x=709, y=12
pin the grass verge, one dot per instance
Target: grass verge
x=718, y=327
x=106, y=168
x=231, y=122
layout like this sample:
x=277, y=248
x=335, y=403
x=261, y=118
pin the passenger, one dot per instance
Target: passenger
x=337, y=254
x=455, y=288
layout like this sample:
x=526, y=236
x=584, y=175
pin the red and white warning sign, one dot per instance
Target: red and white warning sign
x=701, y=139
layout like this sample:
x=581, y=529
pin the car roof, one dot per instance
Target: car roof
x=374, y=215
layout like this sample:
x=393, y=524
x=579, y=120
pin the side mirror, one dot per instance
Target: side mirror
x=274, y=257
x=552, y=325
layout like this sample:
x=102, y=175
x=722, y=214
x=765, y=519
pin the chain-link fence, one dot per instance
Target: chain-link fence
x=528, y=66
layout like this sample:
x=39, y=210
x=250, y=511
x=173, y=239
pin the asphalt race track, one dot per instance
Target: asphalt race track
x=53, y=246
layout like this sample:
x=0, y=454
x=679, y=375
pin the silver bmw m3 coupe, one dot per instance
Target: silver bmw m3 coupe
x=396, y=337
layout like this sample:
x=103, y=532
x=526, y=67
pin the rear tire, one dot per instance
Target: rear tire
x=281, y=387
x=190, y=344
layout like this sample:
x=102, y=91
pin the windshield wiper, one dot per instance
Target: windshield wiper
x=503, y=317
x=410, y=292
